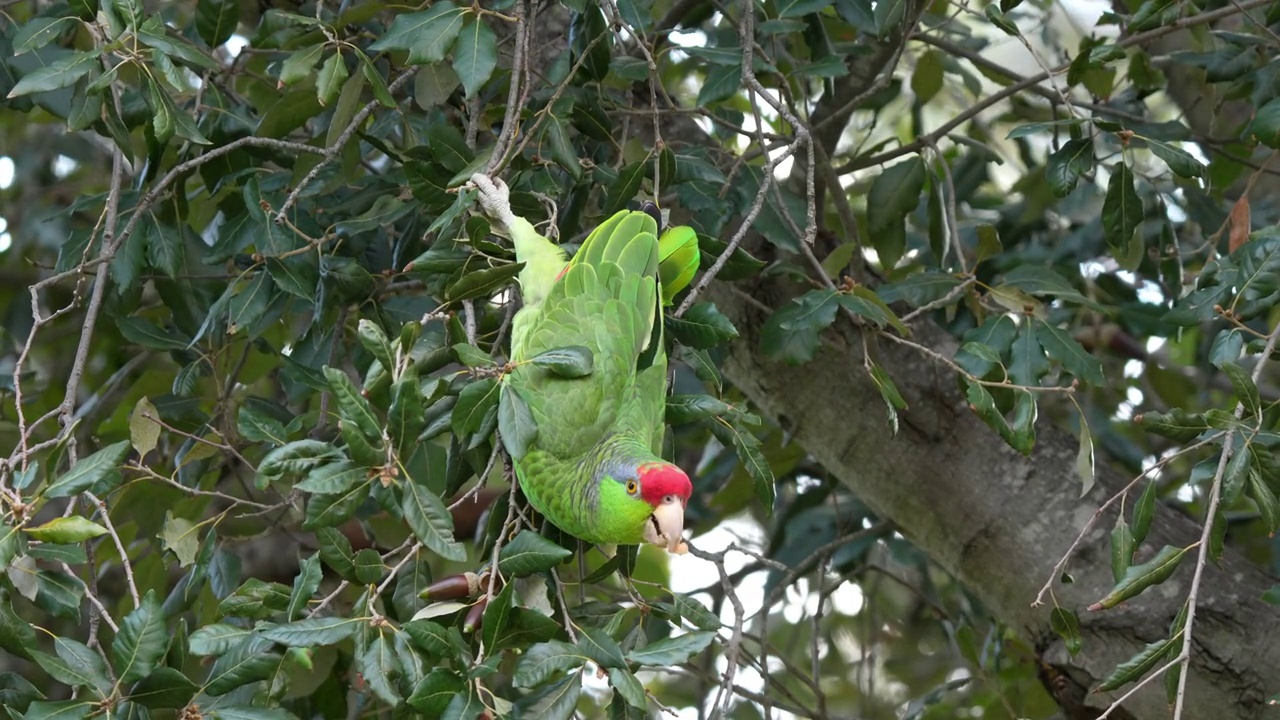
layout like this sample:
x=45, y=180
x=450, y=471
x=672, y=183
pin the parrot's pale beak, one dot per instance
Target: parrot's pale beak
x=665, y=526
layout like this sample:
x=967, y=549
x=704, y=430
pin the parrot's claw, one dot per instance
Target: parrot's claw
x=495, y=199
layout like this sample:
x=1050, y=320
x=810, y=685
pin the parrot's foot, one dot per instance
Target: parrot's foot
x=495, y=199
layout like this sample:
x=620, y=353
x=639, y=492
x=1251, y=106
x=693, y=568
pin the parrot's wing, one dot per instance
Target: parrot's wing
x=606, y=302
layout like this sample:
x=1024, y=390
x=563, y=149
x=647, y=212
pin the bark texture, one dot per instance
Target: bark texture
x=999, y=521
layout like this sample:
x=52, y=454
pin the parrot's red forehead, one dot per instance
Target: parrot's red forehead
x=658, y=480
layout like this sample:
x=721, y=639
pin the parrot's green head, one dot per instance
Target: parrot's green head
x=645, y=503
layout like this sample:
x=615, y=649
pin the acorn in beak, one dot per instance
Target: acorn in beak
x=666, y=524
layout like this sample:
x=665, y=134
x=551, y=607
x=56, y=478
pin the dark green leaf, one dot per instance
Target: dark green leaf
x=1121, y=210
x=434, y=692
x=1067, y=626
x=430, y=521
x=89, y=471
x=1140, y=577
x=547, y=661
x=312, y=632
x=894, y=193
x=475, y=55
x=672, y=651
x=516, y=425
x=566, y=362
x=1066, y=165
x=58, y=74
x=702, y=327
x=1139, y=665
x=141, y=642
x=791, y=334
x=427, y=35
x=530, y=553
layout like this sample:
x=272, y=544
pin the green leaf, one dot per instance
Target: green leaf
x=1139, y=665
x=475, y=401
x=1085, y=459
x=72, y=529
x=375, y=340
x=799, y=8
x=482, y=283
x=1245, y=389
x=412, y=580
x=920, y=288
x=475, y=55
x=894, y=193
x=1179, y=161
x=58, y=74
x=624, y=189
x=567, y=362
x=1236, y=473
x=16, y=635
x=141, y=642
x=864, y=303
x=926, y=80
x=246, y=663
x=516, y=424
x=695, y=612
x=1140, y=577
x=1177, y=424
x=722, y=83
x=164, y=688
x=596, y=644
x=144, y=431
x=352, y=406
x=682, y=409
x=1062, y=347
x=76, y=665
x=702, y=327
x=792, y=333
x=1266, y=124
x=1121, y=210
x=1122, y=547
x=1066, y=165
x=331, y=78
x=434, y=692
x=333, y=510
x=624, y=683
x=247, y=712
x=217, y=639
x=430, y=521
x=38, y=32
x=147, y=334
x=296, y=458
x=368, y=566
x=673, y=650
x=61, y=710
x=405, y=419
x=216, y=20
x=427, y=35
x=312, y=632
x=1143, y=512
x=337, y=477
x=556, y=701
x=298, y=66
x=1067, y=626
x=89, y=471
x=893, y=399
x=999, y=19
x=546, y=661
x=304, y=586
x=530, y=553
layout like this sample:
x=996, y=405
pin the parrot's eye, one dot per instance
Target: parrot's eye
x=631, y=487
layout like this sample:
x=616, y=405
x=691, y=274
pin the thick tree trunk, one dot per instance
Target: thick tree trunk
x=1000, y=521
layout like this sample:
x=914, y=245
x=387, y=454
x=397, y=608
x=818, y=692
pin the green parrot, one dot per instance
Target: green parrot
x=593, y=468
